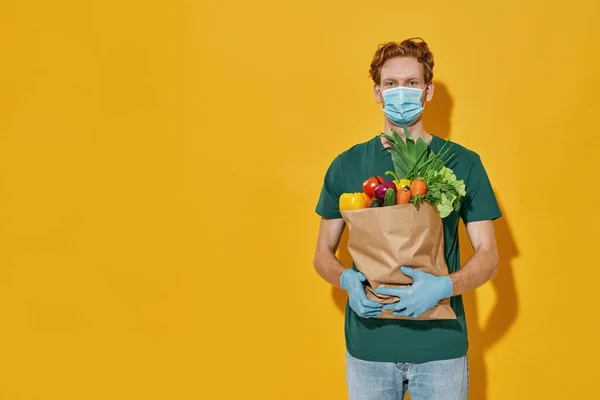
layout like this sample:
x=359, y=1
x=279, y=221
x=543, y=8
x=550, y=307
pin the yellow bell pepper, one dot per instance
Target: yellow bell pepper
x=353, y=201
x=404, y=183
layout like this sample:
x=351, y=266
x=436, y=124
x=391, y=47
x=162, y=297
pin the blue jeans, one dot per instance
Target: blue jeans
x=435, y=380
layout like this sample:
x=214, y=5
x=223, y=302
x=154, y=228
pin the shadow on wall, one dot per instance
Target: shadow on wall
x=504, y=312
x=438, y=112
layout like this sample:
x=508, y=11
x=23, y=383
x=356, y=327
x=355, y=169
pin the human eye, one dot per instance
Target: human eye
x=390, y=83
x=412, y=83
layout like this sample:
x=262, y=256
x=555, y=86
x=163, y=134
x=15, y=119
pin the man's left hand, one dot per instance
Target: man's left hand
x=425, y=292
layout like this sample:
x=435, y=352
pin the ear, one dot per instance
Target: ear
x=378, y=95
x=429, y=92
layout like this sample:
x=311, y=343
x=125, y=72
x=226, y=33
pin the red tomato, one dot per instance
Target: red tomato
x=371, y=184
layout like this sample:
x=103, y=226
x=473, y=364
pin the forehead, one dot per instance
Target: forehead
x=402, y=68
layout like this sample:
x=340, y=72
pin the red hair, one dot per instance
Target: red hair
x=413, y=47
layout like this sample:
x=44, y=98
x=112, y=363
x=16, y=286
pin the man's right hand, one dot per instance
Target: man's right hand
x=352, y=281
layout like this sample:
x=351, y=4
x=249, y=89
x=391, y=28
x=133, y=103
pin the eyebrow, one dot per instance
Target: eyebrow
x=407, y=79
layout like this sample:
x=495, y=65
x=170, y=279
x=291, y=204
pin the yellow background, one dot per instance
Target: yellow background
x=160, y=162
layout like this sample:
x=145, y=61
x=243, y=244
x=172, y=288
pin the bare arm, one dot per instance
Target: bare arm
x=326, y=263
x=484, y=264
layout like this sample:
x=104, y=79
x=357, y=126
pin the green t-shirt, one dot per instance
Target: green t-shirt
x=378, y=339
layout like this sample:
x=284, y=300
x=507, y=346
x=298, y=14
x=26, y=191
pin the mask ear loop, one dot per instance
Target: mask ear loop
x=424, y=100
x=381, y=96
x=423, y=105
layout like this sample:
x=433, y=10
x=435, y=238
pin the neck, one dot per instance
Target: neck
x=416, y=131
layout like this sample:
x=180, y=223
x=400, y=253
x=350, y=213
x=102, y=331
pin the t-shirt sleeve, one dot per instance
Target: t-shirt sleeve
x=328, y=205
x=480, y=202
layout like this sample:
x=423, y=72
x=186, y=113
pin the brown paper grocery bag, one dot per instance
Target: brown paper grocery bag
x=383, y=239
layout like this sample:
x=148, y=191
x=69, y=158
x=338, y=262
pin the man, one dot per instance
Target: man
x=387, y=357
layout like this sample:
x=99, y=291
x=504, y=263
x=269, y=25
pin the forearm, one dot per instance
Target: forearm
x=478, y=270
x=329, y=267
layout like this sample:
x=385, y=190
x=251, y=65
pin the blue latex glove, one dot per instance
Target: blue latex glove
x=425, y=292
x=352, y=281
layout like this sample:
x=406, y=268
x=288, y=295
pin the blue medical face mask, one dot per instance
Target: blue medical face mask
x=403, y=105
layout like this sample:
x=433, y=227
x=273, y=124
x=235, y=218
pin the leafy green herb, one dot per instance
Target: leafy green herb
x=415, y=160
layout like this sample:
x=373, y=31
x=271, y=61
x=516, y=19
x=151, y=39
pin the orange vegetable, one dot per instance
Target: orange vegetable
x=418, y=187
x=368, y=205
x=403, y=196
